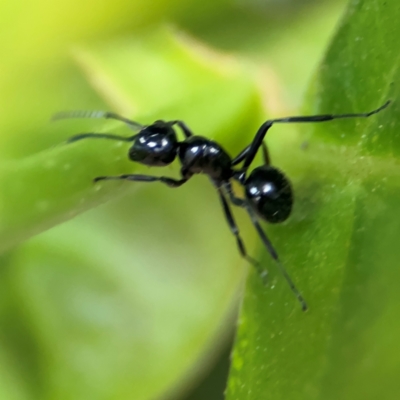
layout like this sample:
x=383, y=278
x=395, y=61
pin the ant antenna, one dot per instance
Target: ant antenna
x=95, y=114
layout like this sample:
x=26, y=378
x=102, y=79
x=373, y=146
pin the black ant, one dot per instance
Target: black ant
x=268, y=193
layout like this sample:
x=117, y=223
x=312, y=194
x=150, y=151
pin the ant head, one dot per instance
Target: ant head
x=155, y=145
x=269, y=193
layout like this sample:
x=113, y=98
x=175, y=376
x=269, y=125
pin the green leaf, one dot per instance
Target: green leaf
x=340, y=244
x=63, y=176
x=124, y=301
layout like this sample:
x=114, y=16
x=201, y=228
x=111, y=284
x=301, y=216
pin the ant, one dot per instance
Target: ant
x=268, y=192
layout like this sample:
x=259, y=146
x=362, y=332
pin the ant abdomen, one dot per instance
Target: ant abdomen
x=269, y=193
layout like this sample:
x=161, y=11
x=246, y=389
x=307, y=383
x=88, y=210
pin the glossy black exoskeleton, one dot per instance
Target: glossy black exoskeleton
x=268, y=193
x=160, y=138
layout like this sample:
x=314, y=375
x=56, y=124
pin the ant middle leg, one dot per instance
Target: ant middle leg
x=263, y=273
x=237, y=201
x=268, y=245
x=266, y=242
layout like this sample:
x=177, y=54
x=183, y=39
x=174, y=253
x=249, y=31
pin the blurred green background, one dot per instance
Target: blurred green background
x=138, y=298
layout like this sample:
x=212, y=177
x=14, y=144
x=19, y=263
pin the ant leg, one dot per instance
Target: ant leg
x=95, y=114
x=263, y=273
x=237, y=201
x=243, y=154
x=262, y=131
x=185, y=129
x=264, y=238
x=274, y=255
x=171, y=182
x=267, y=159
x=81, y=136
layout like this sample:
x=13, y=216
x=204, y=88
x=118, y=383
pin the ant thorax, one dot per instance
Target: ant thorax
x=199, y=155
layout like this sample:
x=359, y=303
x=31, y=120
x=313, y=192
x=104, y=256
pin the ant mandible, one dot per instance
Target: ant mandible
x=268, y=192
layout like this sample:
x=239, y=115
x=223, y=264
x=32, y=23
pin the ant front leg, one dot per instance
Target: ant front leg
x=171, y=182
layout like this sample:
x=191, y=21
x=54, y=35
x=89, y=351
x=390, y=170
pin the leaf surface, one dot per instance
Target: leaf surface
x=340, y=244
